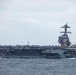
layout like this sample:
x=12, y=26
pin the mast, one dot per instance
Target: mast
x=64, y=39
x=65, y=29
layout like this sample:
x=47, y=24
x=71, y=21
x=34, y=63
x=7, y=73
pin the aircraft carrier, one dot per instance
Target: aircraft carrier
x=64, y=50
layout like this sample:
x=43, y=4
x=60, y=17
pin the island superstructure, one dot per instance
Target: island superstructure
x=64, y=39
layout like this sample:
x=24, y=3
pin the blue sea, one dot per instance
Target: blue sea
x=17, y=66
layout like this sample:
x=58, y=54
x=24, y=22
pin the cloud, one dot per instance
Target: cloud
x=35, y=5
x=35, y=20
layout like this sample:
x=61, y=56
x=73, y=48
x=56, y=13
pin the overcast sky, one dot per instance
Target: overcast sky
x=36, y=21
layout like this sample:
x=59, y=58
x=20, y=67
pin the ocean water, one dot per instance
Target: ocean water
x=17, y=66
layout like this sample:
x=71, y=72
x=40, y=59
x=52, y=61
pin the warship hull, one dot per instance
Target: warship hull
x=38, y=53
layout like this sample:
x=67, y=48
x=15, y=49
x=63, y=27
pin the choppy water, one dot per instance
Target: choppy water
x=37, y=66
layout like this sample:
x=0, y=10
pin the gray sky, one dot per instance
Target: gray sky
x=36, y=21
